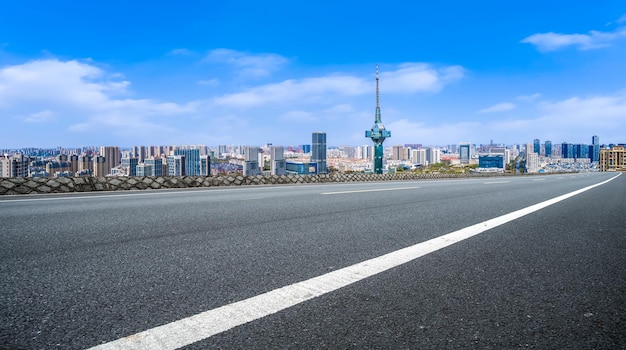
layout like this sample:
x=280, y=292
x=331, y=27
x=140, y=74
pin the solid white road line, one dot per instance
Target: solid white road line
x=373, y=190
x=204, y=325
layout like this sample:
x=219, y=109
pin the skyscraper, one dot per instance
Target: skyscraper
x=140, y=153
x=192, y=160
x=595, y=144
x=318, y=151
x=112, y=158
x=567, y=150
x=99, y=166
x=537, y=146
x=548, y=148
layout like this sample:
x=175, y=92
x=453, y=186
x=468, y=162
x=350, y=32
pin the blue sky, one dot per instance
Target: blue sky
x=76, y=73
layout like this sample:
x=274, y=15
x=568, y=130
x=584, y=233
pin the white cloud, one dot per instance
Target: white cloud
x=249, y=65
x=500, y=107
x=595, y=39
x=298, y=116
x=568, y=119
x=309, y=89
x=82, y=98
x=406, y=79
x=415, y=77
x=607, y=112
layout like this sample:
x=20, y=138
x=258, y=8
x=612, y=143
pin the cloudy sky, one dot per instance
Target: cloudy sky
x=76, y=73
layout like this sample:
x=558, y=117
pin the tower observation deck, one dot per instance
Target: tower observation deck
x=378, y=133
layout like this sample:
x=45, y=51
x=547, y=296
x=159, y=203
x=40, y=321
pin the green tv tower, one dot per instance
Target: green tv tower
x=378, y=135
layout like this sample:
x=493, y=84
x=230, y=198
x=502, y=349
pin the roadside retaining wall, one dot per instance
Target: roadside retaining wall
x=39, y=185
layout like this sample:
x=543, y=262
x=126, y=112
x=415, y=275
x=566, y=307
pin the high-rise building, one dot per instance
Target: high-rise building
x=532, y=162
x=112, y=157
x=6, y=166
x=85, y=165
x=582, y=151
x=537, y=146
x=192, y=160
x=73, y=163
x=130, y=166
x=155, y=151
x=433, y=155
x=548, y=149
x=278, y=163
x=465, y=152
x=176, y=165
x=251, y=161
x=205, y=165
x=222, y=150
x=418, y=156
x=318, y=151
x=364, y=152
x=156, y=166
x=100, y=166
x=595, y=144
x=140, y=153
x=399, y=153
x=567, y=150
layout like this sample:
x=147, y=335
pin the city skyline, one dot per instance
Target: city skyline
x=256, y=73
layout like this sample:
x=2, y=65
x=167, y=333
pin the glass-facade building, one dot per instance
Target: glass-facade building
x=464, y=152
x=548, y=148
x=176, y=165
x=156, y=165
x=595, y=144
x=537, y=146
x=301, y=168
x=318, y=151
x=192, y=160
x=130, y=164
x=491, y=161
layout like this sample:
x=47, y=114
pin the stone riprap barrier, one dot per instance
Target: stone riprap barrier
x=42, y=185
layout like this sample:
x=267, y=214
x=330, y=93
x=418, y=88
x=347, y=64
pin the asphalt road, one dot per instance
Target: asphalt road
x=81, y=270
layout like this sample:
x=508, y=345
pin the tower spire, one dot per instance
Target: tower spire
x=378, y=120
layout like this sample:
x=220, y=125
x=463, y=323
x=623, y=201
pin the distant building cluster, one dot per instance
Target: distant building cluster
x=549, y=157
x=313, y=158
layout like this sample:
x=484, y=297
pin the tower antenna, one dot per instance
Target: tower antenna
x=377, y=120
x=377, y=99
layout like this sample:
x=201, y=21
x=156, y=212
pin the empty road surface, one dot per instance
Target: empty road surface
x=502, y=263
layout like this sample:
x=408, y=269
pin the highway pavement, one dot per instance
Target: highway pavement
x=156, y=269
